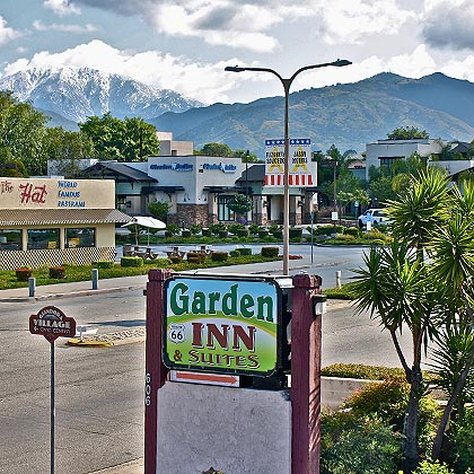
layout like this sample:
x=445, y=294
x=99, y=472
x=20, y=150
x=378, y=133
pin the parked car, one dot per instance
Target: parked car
x=374, y=216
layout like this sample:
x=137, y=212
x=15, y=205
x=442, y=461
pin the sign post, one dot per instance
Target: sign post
x=52, y=323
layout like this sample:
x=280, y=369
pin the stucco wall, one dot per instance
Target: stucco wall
x=234, y=430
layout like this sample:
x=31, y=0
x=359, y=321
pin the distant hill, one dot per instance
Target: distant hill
x=348, y=115
x=70, y=95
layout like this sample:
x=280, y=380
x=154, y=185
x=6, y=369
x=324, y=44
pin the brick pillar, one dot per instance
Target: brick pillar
x=305, y=375
x=155, y=371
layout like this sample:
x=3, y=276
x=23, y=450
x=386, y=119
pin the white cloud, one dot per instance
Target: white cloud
x=6, y=33
x=449, y=24
x=202, y=81
x=40, y=26
x=62, y=7
x=255, y=24
x=237, y=28
x=352, y=21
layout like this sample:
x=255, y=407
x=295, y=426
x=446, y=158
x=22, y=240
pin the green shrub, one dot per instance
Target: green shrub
x=235, y=228
x=219, y=256
x=206, y=232
x=195, y=229
x=23, y=273
x=360, y=371
x=345, y=237
x=245, y=251
x=57, y=273
x=358, y=446
x=328, y=229
x=223, y=234
x=433, y=467
x=234, y=253
x=242, y=232
x=173, y=229
x=270, y=252
x=216, y=228
x=462, y=437
x=253, y=229
x=131, y=261
x=354, y=231
x=389, y=400
x=278, y=234
x=377, y=242
x=103, y=264
x=296, y=233
x=185, y=233
x=263, y=233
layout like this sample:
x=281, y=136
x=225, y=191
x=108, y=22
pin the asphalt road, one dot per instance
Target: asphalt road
x=99, y=391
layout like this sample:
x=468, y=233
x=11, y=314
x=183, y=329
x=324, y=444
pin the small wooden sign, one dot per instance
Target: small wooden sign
x=52, y=323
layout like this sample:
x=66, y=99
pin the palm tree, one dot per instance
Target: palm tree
x=452, y=253
x=397, y=286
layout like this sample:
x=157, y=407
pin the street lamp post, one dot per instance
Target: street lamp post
x=286, y=181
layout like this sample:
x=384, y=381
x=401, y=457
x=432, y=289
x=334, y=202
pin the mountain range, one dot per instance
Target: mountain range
x=348, y=115
x=70, y=95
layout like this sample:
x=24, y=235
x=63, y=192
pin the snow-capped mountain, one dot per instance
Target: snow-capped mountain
x=78, y=93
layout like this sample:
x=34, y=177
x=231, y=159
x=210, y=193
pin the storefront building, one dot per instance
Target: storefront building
x=198, y=189
x=51, y=221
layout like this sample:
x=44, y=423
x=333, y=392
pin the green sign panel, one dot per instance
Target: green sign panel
x=222, y=325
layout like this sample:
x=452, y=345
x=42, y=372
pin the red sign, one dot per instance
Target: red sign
x=52, y=323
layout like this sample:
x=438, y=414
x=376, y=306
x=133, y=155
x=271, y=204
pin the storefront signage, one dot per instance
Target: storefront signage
x=222, y=325
x=180, y=167
x=299, y=156
x=52, y=323
x=36, y=193
x=224, y=167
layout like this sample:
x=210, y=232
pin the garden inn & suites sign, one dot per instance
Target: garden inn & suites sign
x=222, y=326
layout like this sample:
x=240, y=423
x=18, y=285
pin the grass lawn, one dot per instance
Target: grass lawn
x=8, y=278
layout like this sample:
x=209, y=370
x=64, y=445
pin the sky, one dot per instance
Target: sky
x=184, y=45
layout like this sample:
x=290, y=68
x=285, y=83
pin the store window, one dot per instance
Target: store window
x=10, y=239
x=43, y=238
x=80, y=237
x=223, y=212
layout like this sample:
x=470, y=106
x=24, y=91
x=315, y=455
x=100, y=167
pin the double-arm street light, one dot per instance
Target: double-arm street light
x=286, y=183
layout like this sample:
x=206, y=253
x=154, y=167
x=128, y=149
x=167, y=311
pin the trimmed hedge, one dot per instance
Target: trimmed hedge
x=57, y=273
x=103, y=264
x=235, y=253
x=131, y=261
x=23, y=273
x=295, y=233
x=219, y=256
x=245, y=251
x=185, y=233
x=270, y=251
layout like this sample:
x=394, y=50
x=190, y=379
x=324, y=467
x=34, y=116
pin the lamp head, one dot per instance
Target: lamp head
x=234, y=69
x=341, y=62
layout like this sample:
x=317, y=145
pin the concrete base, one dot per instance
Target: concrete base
x=234, y=430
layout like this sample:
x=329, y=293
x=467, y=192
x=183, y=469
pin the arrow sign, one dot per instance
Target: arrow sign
x=205, y=379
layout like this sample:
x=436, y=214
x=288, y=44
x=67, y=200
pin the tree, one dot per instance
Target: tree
x=130, y=139
x=240, y=204
x=432, y=296
x=159, y=209
x=66, y=149
x=22, y=129
x=216, y=149
x=245, y=155
x=407, y=133
x=396, y=286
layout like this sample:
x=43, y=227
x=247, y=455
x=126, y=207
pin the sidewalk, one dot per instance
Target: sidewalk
x=84, y=288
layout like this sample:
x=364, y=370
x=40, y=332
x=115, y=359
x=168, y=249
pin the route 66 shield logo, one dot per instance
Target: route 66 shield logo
x=176, y=333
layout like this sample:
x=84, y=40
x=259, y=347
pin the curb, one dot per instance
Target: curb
x=22, y=299
x=132, y=467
